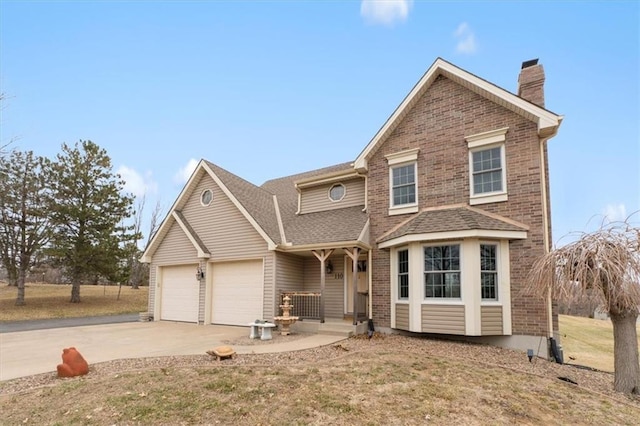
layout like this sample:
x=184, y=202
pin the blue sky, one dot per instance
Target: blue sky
x=268, y=89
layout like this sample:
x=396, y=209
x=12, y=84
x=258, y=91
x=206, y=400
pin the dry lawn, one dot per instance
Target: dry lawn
x=589, y=342
x=52, y=301
x=390, y=380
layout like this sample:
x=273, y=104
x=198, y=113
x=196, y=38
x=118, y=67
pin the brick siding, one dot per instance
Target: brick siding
x=438, y=124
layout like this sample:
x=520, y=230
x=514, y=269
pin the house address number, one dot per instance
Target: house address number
x=338, y=276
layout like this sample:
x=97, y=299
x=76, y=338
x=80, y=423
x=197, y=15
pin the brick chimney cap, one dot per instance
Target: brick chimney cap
x=529, y=63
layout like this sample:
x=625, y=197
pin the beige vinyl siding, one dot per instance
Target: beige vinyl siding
x=228, y=235
x=268, y=307
x=221, y=226
x=443, y=319
x=402, y=316
x=491, y=317
x=334, y=284
x=289, y=275
x=316, y=199
x=175, y=249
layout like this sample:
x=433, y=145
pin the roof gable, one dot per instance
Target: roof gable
x=256, y=205
x=547, y=121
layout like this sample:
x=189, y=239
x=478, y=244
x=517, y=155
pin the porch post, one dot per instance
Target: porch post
x=322, y=256
x=353, y=255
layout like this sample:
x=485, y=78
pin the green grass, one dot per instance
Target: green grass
x=588, y=341
x=44, y=301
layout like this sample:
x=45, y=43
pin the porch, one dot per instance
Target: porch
x=325, y=285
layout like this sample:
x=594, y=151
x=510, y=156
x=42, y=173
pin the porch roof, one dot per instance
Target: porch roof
x=452, y=219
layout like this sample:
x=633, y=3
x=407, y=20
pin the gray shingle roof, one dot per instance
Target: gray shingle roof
x=257, y=201
x=315, y=228
x=451, y=219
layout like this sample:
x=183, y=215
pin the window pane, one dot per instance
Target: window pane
x=442, y=271
x=404, y=185
x=403, y=274
x=336, y=192
x=487, y=170
x=489, y=271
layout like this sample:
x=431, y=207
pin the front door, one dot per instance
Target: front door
x=363, y=287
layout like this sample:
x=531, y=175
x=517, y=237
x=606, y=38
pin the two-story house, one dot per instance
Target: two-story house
x=431, y=229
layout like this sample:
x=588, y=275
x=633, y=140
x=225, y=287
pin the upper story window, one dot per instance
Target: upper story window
x=489, y=271
x=403, y=187
x=442, y=271
x=487, y=168
x=206, y=197
x=337, y=192
x=403, y=183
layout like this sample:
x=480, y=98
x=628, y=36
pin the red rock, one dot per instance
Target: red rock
x=73, y=364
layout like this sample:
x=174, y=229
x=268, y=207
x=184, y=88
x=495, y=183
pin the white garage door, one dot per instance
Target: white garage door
x=237, y=292
x=179, y=294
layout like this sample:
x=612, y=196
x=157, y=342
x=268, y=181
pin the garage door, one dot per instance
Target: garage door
x=179, y=294
x=237, y=292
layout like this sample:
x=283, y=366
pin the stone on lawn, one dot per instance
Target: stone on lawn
x=73, y=364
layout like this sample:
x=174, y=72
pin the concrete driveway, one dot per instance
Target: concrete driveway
x=25, y=353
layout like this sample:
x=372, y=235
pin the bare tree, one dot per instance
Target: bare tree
x=24, y=225
x=604, y=263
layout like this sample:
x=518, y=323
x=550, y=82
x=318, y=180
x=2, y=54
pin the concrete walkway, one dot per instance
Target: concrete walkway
x=24, y=353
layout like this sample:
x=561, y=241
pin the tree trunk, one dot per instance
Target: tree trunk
x=75, y=292
x=20, y=298
x=625, y=352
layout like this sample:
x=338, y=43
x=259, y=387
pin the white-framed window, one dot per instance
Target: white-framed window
x=487, y=167
x=337, y=192
x=403, y=181
x=403, y=185
x=487, y=171
x=442, y=272
x=489, y=271
x=206, y=197
x=403, y=274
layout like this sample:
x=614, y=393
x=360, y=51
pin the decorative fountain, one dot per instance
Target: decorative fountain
x=285, y=320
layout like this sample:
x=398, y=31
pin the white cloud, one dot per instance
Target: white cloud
x=135, y=183
x=466, y=39
x=183, y=175
x=385, y=12
x=615, y=213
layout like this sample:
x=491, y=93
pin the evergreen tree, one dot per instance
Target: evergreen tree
x=87, y=209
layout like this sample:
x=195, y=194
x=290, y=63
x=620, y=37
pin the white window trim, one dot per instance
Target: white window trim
x=444, y=300
x=470, y=291
x=202, y=203
x=344, y=193
x=480, y=142
x=496, y=301
x=396, y=257
x=399, y=159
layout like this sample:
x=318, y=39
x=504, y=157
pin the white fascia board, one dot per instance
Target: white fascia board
x=164, y=226
x=201, y=254
x=548, y=122
x=438, y=236
x=270, y=243
x=324, y=246
x=361, y=162
x=279, y=218
x=546, y=119
x=328, y=178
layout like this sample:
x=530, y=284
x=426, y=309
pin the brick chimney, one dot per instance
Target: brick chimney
x=531, y=82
